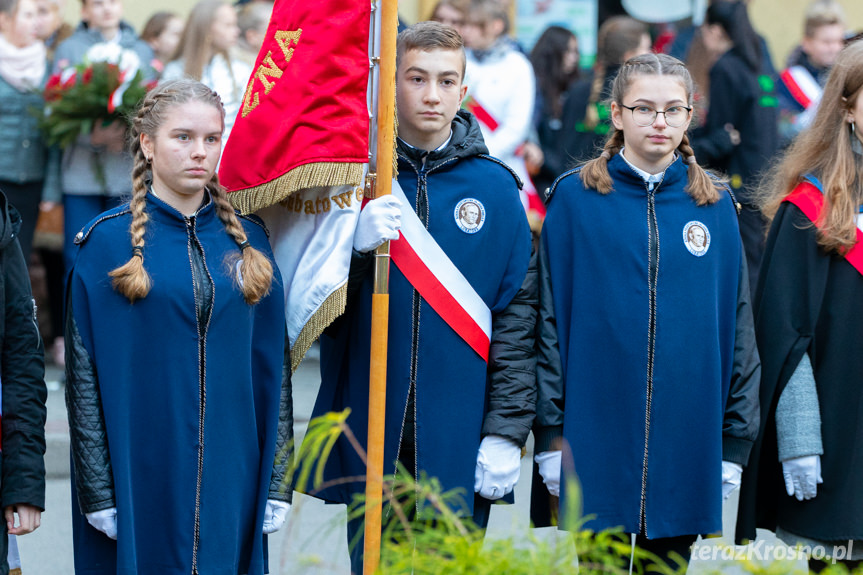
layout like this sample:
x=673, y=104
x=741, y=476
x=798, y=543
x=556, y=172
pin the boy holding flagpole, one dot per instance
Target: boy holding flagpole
x=460, y=375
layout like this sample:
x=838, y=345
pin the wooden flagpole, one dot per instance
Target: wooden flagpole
x=380, y=298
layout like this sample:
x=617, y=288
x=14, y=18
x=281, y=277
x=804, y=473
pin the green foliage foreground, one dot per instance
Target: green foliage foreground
x=428, y=531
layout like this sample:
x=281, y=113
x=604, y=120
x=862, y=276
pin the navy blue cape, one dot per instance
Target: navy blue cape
x=147, y=361
x=597, y=248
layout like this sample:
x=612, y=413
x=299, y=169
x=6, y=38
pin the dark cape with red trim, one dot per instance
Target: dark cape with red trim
x=808, y=301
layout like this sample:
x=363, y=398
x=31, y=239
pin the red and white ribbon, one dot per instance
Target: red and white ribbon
x=803, y=87
x=427, y=267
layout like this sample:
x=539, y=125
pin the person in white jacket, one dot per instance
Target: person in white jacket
x=501, y=86
x=204, y=54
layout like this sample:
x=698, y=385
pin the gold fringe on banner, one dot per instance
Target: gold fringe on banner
x=333, y=307
x=306, y=176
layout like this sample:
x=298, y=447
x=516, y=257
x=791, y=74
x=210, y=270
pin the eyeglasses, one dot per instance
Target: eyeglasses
x=675, y=116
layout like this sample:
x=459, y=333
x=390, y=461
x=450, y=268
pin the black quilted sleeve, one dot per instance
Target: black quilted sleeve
x=92, y=463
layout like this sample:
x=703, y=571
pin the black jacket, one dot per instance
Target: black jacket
x=580, y=142
x=22, y=372
x=747, y=101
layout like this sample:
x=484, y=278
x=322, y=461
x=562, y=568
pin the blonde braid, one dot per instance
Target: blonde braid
x=131, y=279
x=703, y=189
x=594, y=174
x=255, y=268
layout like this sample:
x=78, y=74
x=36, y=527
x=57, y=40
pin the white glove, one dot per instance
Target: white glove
x=802, y=476
x=498, y=464
x=275, y=515
x=731, y=473
x=379, y=221
x=549, y=469
x=105, y=521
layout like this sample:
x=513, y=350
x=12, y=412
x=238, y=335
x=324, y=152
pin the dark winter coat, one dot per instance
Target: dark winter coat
x=747, y=101
x=22, y=383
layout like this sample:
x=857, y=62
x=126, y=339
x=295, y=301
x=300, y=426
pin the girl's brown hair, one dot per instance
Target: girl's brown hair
x=617, y=36
x=156, y=25
x=825, y=149
x=196, y=48
x=594, y=174
x=255, y=270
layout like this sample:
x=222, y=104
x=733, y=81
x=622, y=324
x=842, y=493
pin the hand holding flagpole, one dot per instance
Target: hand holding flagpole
x=380, y=298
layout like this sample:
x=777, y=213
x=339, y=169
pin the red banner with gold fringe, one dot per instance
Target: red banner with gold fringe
x=304, y=119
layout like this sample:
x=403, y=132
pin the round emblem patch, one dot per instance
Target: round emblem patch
x=469, y=215
x=696, y=238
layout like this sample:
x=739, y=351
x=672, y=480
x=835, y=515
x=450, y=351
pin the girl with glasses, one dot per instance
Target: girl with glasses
x=647, y=369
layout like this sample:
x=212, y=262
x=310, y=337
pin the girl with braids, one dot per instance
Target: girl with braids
x=647, y=369
x=179, y=408
x=808, y=303
x=585, y=114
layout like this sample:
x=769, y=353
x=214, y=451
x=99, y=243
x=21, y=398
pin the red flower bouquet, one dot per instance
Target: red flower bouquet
x=108, y=86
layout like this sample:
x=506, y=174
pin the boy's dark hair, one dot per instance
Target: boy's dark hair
x=428, y=36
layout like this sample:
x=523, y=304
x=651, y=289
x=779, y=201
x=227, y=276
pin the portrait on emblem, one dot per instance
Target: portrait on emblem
x=696, y=237
x=469, y=215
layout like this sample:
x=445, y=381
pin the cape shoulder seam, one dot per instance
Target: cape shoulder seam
x=255, y=220
x=734, y=202
x=553, y=187
x=518, y=181
x=82, y=236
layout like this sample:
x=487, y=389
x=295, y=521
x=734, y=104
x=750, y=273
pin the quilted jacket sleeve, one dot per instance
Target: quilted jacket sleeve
x=512, y=365
x=92, y=463
x=24, y=391
x=280, y=483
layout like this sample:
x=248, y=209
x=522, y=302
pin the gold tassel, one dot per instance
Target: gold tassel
x=333, y=307
x=313, y=175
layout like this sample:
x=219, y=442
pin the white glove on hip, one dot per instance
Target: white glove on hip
x=105, y=521
x=275, y=515
x=498, y=464
x=379, y=221
x=802, y=476
x=549, y=469
x=731, y=473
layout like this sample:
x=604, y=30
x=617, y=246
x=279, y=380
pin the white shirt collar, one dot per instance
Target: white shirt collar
x=439, y=148
x=650, y=179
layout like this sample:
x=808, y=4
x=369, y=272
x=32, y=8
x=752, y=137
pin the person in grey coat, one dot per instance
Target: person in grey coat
x=96, y=168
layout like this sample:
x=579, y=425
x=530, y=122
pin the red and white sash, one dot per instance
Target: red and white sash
x=810, y=200
x=803, y=87
x=427, y=267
